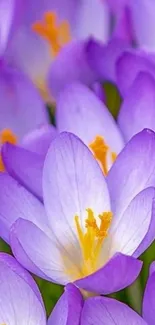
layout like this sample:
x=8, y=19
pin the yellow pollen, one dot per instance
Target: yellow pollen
x=101, y=151
x=6, y=135
x=56, y=34
x=92, y=239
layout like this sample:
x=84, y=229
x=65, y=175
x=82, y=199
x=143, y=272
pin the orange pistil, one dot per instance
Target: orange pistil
x=101, y=151
x=56, y=34
x=6, y=135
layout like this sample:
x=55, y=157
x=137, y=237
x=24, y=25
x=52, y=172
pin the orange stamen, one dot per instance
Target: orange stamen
x=56, y=34
x=101, y=151
x=6, y=135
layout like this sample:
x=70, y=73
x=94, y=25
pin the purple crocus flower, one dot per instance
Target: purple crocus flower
x=22, y=109
x=71, y=309
x=83, y=214
x=21, y=301
x=56, y=21
x=79, y=111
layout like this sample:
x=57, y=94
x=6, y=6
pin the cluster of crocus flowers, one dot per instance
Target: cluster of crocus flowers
x=77, y=200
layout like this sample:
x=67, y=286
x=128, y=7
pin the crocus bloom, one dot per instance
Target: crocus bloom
x=22, y=109
x=21, y=301
x=79, y=111
x=71, y=309
x=47, y=26
x=83, y=221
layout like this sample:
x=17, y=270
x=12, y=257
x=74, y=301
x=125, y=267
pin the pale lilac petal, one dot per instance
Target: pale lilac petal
x=118, y=273
x=138, y=109
x=16, y=292
x=71, y=62
x=72, y=183
x=22, y=109
x=107, y=311
x=149, y=237
x=16, y=202
x=68, y=309
x=39, y=140
x=81, y=112
x=6, y=18
x=86, y=24
x=130, y=229
x=25, y=166
x=133, y=171
x=149, y=299
x=143, y=20
x=43, y=252
x=128, y=66
x=12, y=263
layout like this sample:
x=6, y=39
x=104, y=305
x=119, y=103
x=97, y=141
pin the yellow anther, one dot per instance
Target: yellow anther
x=92, y=238
x=6, y=136
x=56, y=34
x=101, y=151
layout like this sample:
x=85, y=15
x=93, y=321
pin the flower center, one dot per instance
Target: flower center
x=92, y=238
x=102, y=153
x=6, y=135
x=56, y=34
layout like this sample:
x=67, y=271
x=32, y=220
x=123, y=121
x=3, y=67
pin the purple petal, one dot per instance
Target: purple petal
x=42, y=255
x=39, y=140
x=25, y=166
x=132, y=171
x=22, y=109
x=138, y=109
x=102, y=58
x=6, y=18
x=71, y=62
x=131, y=228
x=16, y=202
x=150, y=236
x=107, y=279
x=143, y=23
x=86, y=25
x=123, y=26
x=15, y=291
x=79, y=111
x=68, y=308
x=107, y=311
x=71, y=179
x=149, y=299
x=128, y=67
x=12, y=263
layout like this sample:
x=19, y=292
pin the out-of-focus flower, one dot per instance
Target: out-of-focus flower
x=21, y=301
x=129, y=24
x=71, y=309
x=47, y=26
x=149, y=297
x=83, y=216
x=22, y=110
